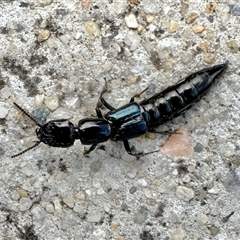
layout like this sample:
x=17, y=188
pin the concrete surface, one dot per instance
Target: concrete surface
x=54, y=56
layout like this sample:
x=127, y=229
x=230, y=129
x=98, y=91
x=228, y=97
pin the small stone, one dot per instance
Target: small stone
x=173, y=27
x=43, y=3
x=43, y=35
x=61, y=113
x=133, y=79
x=151, y=135
x=203, y=46
x=191, y=18
x=52, y=102
x=198, y=29
x=15, y=195
x=131, y=21
x=234, y=9
x=202, y=218
x=40, y=114
x=213, y=230
x=92, y=29
x=38, y=213
x=233, y=46
x=100, y=191
x=57, y=205
x=191, y=168
x=150, y=18
x=94, y=216
x=39, y=99
x=140, y=216
x=6, y=92
x=114, y=225
x=142, y=182
x=64, y=39
x=209, y=58
x=211, y=7
x=132, y=39
x=132, y=190
x=86, y=3
x=23, y=193
x=69, y=201
x=24, y=204
x=80, y=195
x=184, y=193
x=49, y=208
x=3, y=111
x=134, y=1
x=178, y=234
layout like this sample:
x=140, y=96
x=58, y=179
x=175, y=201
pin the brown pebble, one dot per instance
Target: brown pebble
x=233, y=46
x=203, y=46
x=209, y=58
x=191, y=17
x=211, y=7
x=178, y=144
x=134, y=1
x=86, y=3
x=43, y=35
x=198, y=29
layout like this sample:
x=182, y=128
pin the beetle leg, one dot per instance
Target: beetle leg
x=99, y=113
x=138, y=95
x=102, y=101
x=139, y=154
x=87, y=151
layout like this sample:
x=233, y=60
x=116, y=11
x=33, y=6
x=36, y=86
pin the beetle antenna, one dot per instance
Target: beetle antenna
x=18, y=154
x=27, y=114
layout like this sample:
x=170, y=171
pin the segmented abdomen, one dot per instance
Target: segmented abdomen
x=174, y=100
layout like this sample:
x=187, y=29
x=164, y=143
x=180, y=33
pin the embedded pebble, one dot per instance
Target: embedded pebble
x=39, y=98
x=141, y=215
x=6, y=92
x=3, y=111
x=38, y=213
x=185, y=193
x=233, y=46
x=52, y=102
x=69, y=201
x=25, y=204
x=40, y=114
x=234, y=9
x=198, y=29
x=94, y=216
x=43, y=35
x=68, y=221
x=142, y=182
x=150, y=6
x=50, y=208
x=173, y=27
x=132, y=39
x=213, y=230
x=191, y=18
x=86, y=3
x=150, y=18
x=43, y=3
x=15, y=195
x=57, y=205
x=92, y=29
x=131, y=21
x=64, y=39
x=198, y=148
x=61, y=113
x=202, y=218
x=178, y=234
x=209, y=58
x=22, y=193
